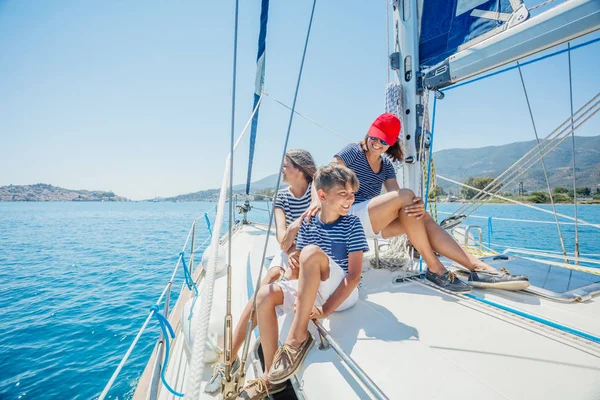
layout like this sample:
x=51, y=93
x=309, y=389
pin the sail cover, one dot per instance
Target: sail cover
x=258, y=83
x=448, y=26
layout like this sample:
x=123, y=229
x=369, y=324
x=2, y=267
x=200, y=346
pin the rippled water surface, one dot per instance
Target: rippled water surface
x=77, y=280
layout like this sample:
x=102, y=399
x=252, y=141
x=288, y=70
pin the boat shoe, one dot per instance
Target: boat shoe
x=259, y=389
x=448, y=281
x=213, y=387
x=288, y=359
x=501, y=279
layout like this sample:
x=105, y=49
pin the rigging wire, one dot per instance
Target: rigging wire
x=512, y=173
x=597, y=226
x=308, y=119
x=287, y=137
x=573, y=143
x=227, y=327
x=537, y=139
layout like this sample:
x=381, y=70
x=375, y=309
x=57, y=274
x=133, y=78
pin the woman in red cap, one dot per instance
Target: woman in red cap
x=399, y=211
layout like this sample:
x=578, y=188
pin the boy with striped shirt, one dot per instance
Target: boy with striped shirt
x=331, y=248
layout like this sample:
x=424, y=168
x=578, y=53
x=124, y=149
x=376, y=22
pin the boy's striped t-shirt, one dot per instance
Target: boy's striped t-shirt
x=370, y=183
x=292, y=206
x=337, y=239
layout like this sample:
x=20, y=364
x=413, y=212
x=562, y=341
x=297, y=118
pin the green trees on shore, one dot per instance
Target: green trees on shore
x=560, y=194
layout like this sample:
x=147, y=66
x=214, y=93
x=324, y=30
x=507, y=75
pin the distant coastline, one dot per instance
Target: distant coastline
x=43, y=192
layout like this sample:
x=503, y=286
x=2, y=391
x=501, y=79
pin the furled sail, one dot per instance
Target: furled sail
x=461, y=39
x=259, y=83
x=449, y=26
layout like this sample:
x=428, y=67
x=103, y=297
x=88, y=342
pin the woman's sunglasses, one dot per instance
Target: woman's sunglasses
x=376, y=139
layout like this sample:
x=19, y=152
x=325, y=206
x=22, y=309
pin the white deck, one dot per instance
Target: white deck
x=417, y=342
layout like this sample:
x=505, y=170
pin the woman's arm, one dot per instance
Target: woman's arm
x=314, y=207
x=338, y=159
x=280, y=227
x=391, y=185
x=290, y=235
x=346, y=286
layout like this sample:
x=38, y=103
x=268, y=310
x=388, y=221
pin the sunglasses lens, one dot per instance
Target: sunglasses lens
x=377, y=139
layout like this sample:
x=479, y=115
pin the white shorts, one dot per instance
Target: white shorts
x=361, y=210
x=326, y=289
x=280, y=260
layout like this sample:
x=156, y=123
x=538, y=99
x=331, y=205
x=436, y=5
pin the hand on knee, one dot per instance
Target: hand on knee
x=405, y=197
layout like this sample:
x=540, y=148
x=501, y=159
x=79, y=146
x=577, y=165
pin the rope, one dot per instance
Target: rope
x=197, y=363
x=208, y=223
x=515, y=202
x=542, y=250
x=558, y=256
x=533, y=221
x=561, y=265
x=435, y=198
x=188, y=277
x=285, y=145
x=164, y=326
x=167, y=287
x=540, y=5
x=573, y=146
x=537, y=139
x=424, y=155
x=194, y=379
x=529, y=159
x=425, y=128
x=202, y=244
x=396, y=255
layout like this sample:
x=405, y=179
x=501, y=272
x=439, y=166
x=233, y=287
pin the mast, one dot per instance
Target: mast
x=406, y=37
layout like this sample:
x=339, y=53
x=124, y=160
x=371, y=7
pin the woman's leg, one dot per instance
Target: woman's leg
x=383, y=209
x=444, y=244
x=239, y=334
x=440, y=240
x=268, y=298
x=386, y=209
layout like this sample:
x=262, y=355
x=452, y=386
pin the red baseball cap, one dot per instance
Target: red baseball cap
x=386, y=127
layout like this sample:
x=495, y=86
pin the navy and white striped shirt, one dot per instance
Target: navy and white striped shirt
x=337, y=239
x=292, y=206
x=370, y=183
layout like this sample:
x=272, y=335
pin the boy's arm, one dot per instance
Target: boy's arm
x=346, y=286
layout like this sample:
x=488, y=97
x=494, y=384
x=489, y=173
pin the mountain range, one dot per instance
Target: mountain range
x=490, y=161
x=456, y=164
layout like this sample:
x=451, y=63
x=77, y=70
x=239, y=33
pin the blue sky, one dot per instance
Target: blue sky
x=135, y=96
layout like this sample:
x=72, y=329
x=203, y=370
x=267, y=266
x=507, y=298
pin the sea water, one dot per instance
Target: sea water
x=77, y=281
